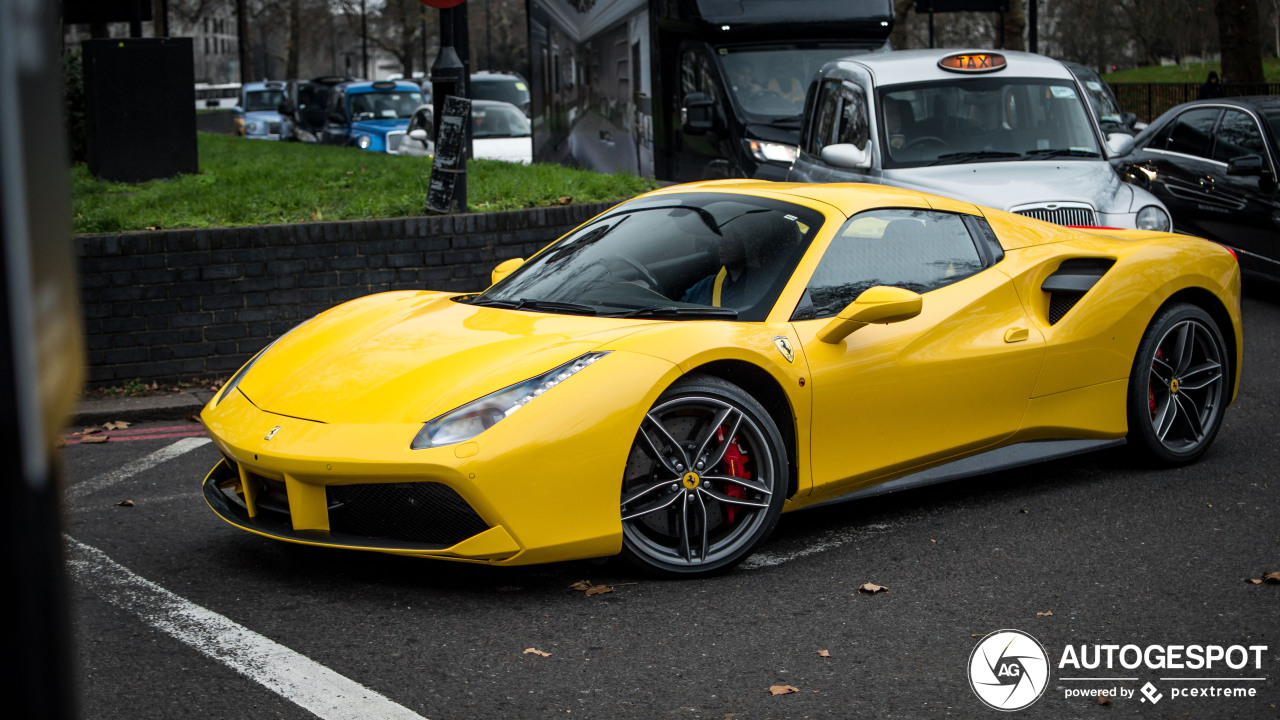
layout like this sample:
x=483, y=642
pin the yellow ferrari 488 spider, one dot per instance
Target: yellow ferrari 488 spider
x=667, y=379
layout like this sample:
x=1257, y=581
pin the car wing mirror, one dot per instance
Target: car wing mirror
x=419, y=134
x=847, y=155
x=1246, y=165
x=1120, y=143
x=697, y=116
x=880, y=304
x=505, y=268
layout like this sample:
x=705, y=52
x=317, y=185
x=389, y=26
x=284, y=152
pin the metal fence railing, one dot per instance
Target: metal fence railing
x=1150, y=100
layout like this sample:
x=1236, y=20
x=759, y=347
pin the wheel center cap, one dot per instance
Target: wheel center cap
x=1173, y=386
x=691, y=480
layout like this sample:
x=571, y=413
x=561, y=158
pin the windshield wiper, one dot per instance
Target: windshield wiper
x=791, y=121
x=530, y=304
x=960, y=157
x=677, y=311
x=1059, y=152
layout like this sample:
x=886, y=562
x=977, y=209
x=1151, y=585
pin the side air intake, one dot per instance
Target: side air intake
x=1071, y=281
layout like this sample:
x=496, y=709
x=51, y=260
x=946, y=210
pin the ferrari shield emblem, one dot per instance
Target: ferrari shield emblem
x=273, y=432
x=784, y=347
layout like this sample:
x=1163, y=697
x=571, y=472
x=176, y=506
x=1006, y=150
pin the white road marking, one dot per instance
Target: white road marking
x=294, y=677
x=825, y=542
x=106, y=480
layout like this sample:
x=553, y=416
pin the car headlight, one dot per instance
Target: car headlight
x=477, y=416
x=251, y=128
x=1153, y=218
x=772, y=152
x=363, y=142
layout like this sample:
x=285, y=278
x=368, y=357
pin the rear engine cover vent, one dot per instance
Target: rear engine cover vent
x=1071, y=281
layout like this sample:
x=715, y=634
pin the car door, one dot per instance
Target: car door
x=335, y=124
x=1179, y=163
x=1251, y=227
x=955, y=378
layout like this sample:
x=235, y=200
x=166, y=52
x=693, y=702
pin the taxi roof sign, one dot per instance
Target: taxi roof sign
x=973, y=62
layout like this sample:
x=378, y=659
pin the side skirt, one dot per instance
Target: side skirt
x=1010, y=456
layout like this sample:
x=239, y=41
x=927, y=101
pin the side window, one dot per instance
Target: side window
x=840, y=117
x=920, y=250
x=337, y=111
x=854, y=127
x=1191, y=133
x=824, y=120
x=1238, y=135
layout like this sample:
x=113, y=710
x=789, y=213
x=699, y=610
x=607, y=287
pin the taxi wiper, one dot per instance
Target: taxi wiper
x=960, y=157
x=678, y=311
x=1059, y=152
x=530, y=304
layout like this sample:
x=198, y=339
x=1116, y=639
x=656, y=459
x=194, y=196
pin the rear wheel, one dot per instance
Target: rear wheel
x=705, y=481
x=1178, y=387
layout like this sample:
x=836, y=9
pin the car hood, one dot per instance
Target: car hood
x=407, y=357
x=1006, y=185
x=786, y=135
x=380, y=127
x=263, y=116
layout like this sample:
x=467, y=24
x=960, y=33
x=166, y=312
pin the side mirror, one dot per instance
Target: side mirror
x=1120, y=143
x=697, y=117
x=847, y=155
x=419, y=134
x=880, y=304
x=505, y=268
x=1246, y=165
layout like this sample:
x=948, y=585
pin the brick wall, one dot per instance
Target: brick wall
x=176, y=304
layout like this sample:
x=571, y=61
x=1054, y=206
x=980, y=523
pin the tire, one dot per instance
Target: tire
x=1178, y=389
x=680, y=521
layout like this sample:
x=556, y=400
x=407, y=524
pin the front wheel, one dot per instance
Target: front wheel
x=705, y=480
x=1178, y=387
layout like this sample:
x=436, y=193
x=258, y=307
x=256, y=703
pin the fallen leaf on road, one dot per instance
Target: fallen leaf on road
x=872, y=588
x=94, y=439
x=90, y=431
x=195, y=418
x=599, y=590
x=580, y=585
x=536, y=651
x=1104, y=699
x=1046, y=613
x=1272, y=577
x=782, y=689
x=1254, y=581
x=824, y=653
x=116, y=425
x=1208, y=504
x=125, y=503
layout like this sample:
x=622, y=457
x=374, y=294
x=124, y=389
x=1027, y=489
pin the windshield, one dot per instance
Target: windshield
x=506, y=90
x=498, y=121
x=389, y=105
x=983, y=120
x=679, y=256
x=769, y=84
x=259, y=100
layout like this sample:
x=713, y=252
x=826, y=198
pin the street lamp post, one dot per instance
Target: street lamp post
x=364, y=41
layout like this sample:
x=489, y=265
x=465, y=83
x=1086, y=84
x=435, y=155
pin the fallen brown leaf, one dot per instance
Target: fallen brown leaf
x=1208, y=504
x=599, y=590
x=1254, y=581
x=195, y=418
x=783, y=689
x=564, y=200
x=1104, y=699
x=95, y=439
x=90, y=431
x=116, y=425
x=125, y=503
x=871, y=588
x=824, y=653
x=1272, y=577
x=536, y=651
x=1046, y=613
x=581, y=585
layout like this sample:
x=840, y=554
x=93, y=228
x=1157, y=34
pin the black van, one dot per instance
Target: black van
x=685, y=89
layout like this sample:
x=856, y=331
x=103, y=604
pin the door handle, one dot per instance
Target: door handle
x=1013, y=335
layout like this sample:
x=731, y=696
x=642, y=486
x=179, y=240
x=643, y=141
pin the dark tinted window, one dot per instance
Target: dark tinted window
x=1191, y=133
x=920, y=250
x=841, y=117
x=1238, y=135
x=826, y=117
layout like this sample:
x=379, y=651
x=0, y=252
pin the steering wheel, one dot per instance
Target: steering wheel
x=641, y=270
x=926, y=139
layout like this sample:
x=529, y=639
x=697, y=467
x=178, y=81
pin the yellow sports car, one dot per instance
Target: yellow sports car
x=667, y=379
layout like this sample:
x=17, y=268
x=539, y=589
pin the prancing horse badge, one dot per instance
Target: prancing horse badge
x=784, y=347
x=273, y=432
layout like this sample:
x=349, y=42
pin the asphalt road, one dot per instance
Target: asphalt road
x=1119, y=554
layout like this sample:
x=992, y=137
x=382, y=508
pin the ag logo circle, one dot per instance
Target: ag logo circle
x=1008, y=670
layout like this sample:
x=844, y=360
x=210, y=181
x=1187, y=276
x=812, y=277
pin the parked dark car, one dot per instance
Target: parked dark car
x=1213, y=163
x=305, y=106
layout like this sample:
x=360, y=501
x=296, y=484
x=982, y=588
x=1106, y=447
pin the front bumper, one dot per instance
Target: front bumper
x=541, y=486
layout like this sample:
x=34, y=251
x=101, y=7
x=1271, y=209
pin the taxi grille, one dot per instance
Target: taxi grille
x=1062, y=215
x=393, y=142
x=273, y=128
x=419, y=512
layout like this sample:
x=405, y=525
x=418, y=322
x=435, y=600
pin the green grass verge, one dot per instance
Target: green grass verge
x=1195, y=72
x=257, y=182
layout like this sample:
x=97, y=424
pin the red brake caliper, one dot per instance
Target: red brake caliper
x=735, y=464
x=1151, y=393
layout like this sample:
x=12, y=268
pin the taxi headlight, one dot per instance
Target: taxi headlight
x=765, y=151
x=477, y=416
x=363, y=142
x=251, y=128
x=1153, y=218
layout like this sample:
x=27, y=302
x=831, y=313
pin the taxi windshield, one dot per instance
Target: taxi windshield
x=388, y=105
x=679, y=256
x=262, y=100
x=986, y=119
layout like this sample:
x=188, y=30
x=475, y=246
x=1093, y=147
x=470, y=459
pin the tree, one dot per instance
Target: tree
x=1240, y=41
